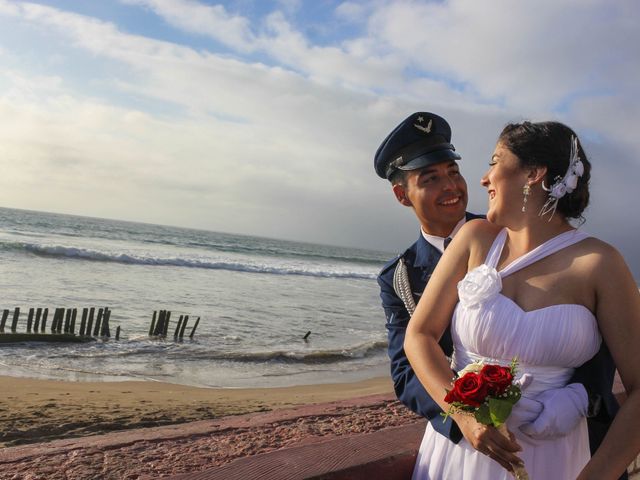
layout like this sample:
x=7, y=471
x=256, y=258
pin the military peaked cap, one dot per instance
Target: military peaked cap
x=421, y=139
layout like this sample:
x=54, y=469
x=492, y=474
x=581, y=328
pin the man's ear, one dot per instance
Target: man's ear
x=537, y=175
x=400, y=192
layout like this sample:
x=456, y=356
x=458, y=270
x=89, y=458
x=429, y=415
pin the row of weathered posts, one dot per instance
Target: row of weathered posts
x=94, y=323
x=159, y=327
x=63, y=322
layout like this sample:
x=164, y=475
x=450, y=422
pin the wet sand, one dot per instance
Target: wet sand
x=33, y=410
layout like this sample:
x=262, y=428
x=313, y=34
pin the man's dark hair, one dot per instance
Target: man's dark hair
x=399, y=177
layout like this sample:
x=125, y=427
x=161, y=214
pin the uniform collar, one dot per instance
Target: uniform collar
x=426, y=254
x=438, y=242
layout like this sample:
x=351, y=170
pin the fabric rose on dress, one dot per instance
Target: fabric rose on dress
x=471, y=390
x=497, y=377
x=480, y=284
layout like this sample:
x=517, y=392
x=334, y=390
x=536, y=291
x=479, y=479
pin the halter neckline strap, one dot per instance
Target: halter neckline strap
x=549, y=247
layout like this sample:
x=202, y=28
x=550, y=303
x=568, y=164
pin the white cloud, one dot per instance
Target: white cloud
x=210, y=20
x=529, y=55
x=351, y=11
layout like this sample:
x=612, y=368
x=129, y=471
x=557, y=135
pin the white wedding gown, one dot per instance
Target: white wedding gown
x=549, y=343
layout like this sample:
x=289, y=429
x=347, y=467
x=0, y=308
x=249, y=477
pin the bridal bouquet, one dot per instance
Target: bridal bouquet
x=488, y=392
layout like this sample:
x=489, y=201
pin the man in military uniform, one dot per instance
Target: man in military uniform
x=417, y=157
x=421, y=164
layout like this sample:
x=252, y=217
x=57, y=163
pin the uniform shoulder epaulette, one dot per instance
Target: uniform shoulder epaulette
x=391, y=264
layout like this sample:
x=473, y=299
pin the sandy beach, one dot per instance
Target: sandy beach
x=33, y=410
x=72, y=430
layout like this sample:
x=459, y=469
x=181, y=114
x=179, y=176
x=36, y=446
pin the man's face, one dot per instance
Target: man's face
x=438, y=195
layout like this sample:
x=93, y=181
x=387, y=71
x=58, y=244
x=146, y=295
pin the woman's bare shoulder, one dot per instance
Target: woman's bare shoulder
x=479, y=230
x=600, y=256
x=478, y=236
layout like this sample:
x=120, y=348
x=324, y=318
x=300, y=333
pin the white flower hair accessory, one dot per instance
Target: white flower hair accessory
x=566, y=184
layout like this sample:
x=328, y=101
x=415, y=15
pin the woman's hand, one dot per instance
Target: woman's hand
x=489, y=441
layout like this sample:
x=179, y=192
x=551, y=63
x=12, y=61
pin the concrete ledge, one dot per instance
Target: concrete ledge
x=388, y=454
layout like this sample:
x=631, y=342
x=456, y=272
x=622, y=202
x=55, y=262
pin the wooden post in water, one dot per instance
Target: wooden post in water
x=60, y=322
x=193, y=330
x=184, y=326
x=90, y=321
x=153, y=322
x=72, y=325
x=157, y=331
x=54, y=321
x=14, y=322
x=67, y=320
x=36, y=325
x=160, y=327
x=30, y=319
x=166, y=324
x=104, y=331
x=175, y=334
x=5, y=315
x=96, y=328
x=118, y=333
x=45, y=314
x=83, y=322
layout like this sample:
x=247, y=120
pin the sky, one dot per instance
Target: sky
x=262, y=117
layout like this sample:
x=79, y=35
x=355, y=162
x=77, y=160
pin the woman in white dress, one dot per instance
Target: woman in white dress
x=526, y=283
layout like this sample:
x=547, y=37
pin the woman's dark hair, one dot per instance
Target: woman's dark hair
x=548, y=144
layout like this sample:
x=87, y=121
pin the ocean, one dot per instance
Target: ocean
x=256, y=298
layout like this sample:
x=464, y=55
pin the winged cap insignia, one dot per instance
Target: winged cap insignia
x=426, y=129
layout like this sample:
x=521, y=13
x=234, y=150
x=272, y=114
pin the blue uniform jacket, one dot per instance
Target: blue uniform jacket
x=421, y=259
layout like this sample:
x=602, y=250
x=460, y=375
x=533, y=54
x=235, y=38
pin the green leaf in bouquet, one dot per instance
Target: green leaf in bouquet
x=513, y=394
x=482, y=414
x=499, y=410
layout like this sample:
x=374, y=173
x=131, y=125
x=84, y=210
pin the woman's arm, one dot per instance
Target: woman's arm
x=431, y=318
x=618, y=314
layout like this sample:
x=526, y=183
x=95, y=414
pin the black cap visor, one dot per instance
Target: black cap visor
x=431, y=158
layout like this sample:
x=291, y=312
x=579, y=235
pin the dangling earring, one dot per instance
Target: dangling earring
x=526, y=191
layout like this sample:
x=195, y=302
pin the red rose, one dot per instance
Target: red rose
x=471, y=389
x=498, y=378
